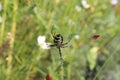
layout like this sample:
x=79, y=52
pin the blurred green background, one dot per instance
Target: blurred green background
x=22, y=21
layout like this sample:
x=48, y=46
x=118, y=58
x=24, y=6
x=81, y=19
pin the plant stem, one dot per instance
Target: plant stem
x=62, y=62
x=101, y=69
x=13, y=30
x=3, y=21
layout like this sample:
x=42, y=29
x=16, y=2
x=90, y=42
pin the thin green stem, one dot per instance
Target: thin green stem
x=106, y=62
x=3, y=21
x=62, y=67
x=69, y=72
x=13, y=30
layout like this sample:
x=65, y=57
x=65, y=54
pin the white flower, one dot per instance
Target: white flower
x=71, y=22
x=6, y=58
x=0, y=6
x=35, y=9
x=0, y=19
x=77, y=36
x=42, y=43
x=78, y=8
x=57, y=1
x=113, y=2
x=84, y=3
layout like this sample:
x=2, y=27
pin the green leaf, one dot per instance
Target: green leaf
x=92, y=56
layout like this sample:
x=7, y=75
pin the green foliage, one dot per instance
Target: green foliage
x=92, y=57
x=21, y=57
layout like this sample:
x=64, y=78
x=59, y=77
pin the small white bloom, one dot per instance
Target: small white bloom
x=6, y=58
x=57, y=1
x=78, y=8
x=77, y=36
x=113, y=2
x=0, y=19
x=35, y=9
x=87, y=6
x=41, y=39
x=84, y=3
x=71, y=22
x=42, y=43
x=45, y=45
x=0, y=6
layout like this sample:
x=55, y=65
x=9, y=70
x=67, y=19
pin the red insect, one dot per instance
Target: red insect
x=48, y=77
x=94, y=37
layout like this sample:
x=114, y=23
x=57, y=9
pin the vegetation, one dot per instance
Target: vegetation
x=85, y=58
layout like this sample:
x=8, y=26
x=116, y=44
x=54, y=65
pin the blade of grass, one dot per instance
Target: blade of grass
x=3, y=21
x=106, y=62
x=13, y=30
